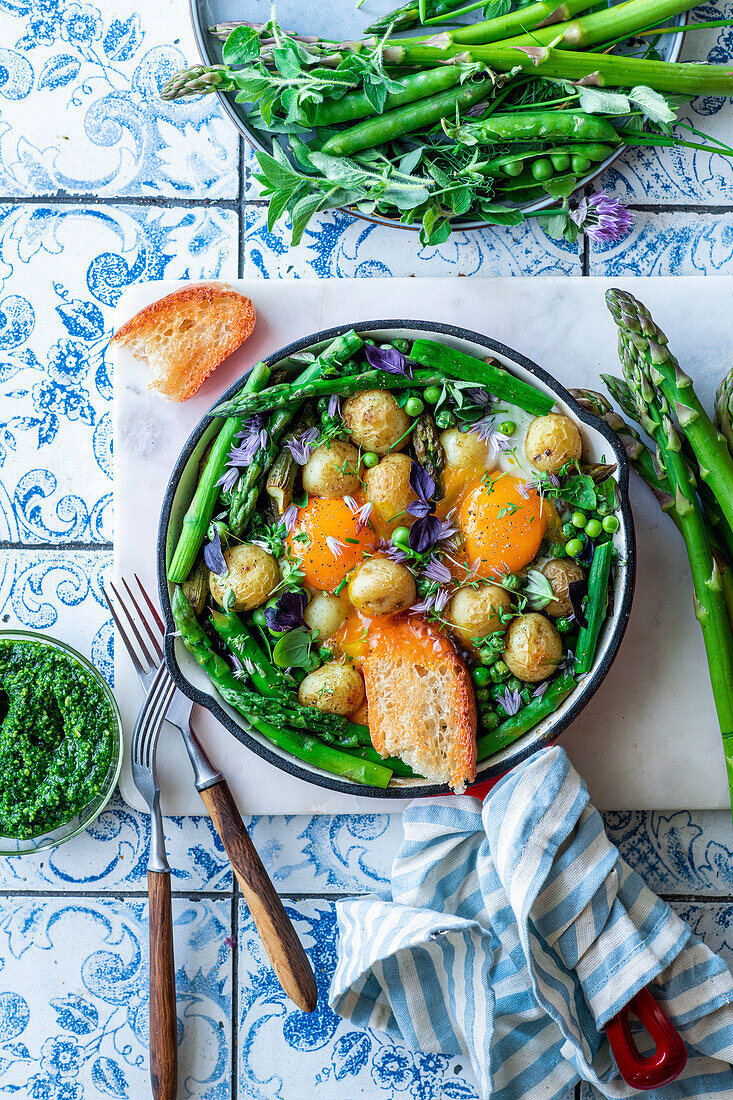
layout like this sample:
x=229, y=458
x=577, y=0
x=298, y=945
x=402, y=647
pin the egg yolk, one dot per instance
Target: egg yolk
x=326, y=539
x=501, y=527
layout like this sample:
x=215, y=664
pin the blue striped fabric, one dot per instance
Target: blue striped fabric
x=515, y=932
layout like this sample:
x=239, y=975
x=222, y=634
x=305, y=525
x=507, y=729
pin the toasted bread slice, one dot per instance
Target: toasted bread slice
x=186, y=335
x=421, y=701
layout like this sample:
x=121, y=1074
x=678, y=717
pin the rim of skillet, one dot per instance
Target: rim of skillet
x=527, y=745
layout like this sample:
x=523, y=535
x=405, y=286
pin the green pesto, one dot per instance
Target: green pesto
x=56, y=738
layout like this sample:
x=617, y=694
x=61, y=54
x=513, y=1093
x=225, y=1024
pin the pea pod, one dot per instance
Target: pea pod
x=406, y=119
x=355, y=105
x=540, y=126
x=559, y=157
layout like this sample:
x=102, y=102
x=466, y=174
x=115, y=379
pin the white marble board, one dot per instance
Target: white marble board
x=648, y=739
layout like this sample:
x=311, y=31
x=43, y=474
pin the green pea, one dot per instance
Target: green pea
x=490, y=720
x=481, y=675
x=560, y=161
x=513, y=168
x=401, y=536
x=563, y=625
x=604, y=508
x=325, y=654
x=507, y=427
x=431, y=394
x=542, y=169
x=258, y=618
x=593, y=528
x=445, y=419
x=610, y=524
x=573, y=548
x=579, y=164
x=369, y=458
x=414, y=406
x=499, y=670
x=368, y=340
x=405, y=346
x=525, y=695
x=579, y=519
x=558, y=550
x=513, y=684
x=568, y=530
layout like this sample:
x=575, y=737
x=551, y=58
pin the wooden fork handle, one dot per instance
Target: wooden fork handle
x=288, y=958
x=163, y=1022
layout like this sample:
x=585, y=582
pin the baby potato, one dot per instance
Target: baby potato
x=551, y=441
x=333, y=688
x=380, y=586
x=332, y=470
x=388, y=488
x=533, y=647
x=326, y=613
x=561, y=573
x=475, y=612
x=253, y=574
x=376, y=421
x=465, y=450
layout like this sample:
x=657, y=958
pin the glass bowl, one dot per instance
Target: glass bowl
x=12, y=846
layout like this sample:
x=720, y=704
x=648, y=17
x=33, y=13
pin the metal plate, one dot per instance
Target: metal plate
x=598, y=439
x=334, y=19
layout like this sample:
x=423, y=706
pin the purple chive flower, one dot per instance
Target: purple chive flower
x=436, y=571
x=301, y=448
x=524, y=489
x=290, y=516
x=479, y=397
x=427, y=527
x=334, y=405
x=250, y=441
x=567, y=663
x=361, y=514
x=511, y=701
x=390, y=551
x=540, y=690
x=335, y=546
x=602, y=219
x=387, y=359
x=214, y=556
x=488, y=433
x=435, y=601
x=287, y=613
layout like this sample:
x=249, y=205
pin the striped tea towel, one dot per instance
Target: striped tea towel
x=515, y=932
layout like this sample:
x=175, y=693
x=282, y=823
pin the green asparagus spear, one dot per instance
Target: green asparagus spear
x=526, y=718
x=429, y=451
x=499, y=382
x=303, y=746
x=723, y=416
x=649, y=367
x=595, y=608
x=196, y=586
x=621, y=20
x=546, y=13
x=710, y=606
x=198, y=515
x=409, y=14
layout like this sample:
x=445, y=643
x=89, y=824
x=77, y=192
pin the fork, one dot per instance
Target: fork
x=278, y=936
x=163, y=1023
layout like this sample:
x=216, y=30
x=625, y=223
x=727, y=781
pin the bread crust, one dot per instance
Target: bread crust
x=178, y=378
x=404, y=655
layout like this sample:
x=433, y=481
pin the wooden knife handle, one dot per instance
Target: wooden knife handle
x=288, y=958
x=163, y=1022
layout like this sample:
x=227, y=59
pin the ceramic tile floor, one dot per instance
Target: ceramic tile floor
x=103, y=185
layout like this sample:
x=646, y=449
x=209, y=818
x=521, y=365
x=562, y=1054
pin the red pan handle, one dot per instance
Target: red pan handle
x=646, y=1071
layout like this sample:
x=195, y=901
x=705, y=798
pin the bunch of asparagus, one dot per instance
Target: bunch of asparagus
x=480, y=120
x=689, y=470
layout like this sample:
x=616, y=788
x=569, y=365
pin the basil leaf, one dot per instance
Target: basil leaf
x=293, y=650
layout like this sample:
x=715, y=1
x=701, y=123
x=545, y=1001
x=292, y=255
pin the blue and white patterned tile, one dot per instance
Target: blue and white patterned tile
x=338, y=245
x=666, y=176
x=80, y=111
x=677, y=852
x=74, y=1006
x=286, y=1054
x=671, y=243
x=62, y=270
